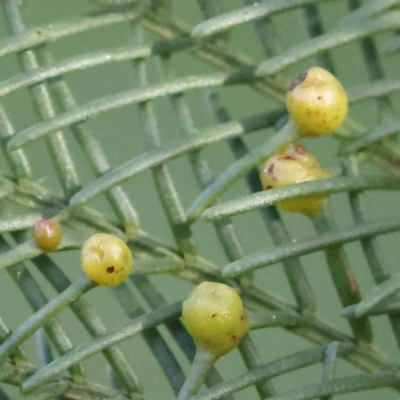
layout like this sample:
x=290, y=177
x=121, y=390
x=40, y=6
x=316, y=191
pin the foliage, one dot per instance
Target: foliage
x=24, y=199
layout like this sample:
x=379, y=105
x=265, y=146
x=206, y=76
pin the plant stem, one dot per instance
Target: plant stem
x=202, y=363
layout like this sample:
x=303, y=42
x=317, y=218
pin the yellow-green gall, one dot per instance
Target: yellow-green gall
x=292, y=165
x=47, y=234
x=106, y=259
x=215, y=317
x=317, y=103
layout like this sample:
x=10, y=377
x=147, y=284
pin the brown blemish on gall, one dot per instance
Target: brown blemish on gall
x=300, y=149
x=110, y=270
x=297, y=81
x=287, y=158
x=213, y=316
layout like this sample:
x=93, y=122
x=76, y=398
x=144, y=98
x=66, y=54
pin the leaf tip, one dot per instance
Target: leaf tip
x=229, y=271
x=207, y=215
x=13, y=144
x=197, y=32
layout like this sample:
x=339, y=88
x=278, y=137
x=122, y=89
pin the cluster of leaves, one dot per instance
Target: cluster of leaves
x=23, y=201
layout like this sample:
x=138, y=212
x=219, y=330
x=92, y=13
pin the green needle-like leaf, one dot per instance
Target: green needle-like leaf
x=169, y=152
x=78, y=63
x=268, y=371
x=330, y=362
x=55, y=31
x=124, y=99
x=279, y=253
x=390, y=307
x=377, y=133
x=333, y=39
x=323, y=186
x=17, y=160
x=4, y=333
x=30, y=249
x=6, y=188
x=373, y=90
x=393, y=46
x=160, y=265
x=48, y=392
x=83, y=351
x=240, y=16
x=20, y=222
x=51, y=309
x=341, y=385
x=369, y=10
x=378, y=295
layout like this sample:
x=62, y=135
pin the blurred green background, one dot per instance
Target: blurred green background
x=123, y=139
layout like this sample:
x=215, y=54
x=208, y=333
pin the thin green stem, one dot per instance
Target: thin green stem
x=202, y=363
x=330, y=361
x=43, y=346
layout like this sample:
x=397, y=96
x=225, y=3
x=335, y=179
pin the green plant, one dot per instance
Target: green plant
x=367, y=159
